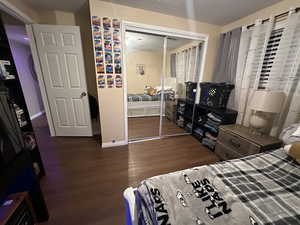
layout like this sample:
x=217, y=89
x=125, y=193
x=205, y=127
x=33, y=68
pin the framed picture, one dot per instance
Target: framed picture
x=140, y=69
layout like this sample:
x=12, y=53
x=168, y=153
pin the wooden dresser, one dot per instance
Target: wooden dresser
x=236, y=141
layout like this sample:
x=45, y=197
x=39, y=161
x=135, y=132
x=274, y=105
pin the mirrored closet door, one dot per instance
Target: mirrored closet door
x=181, y=77
x=144, y=64
x=162, y=78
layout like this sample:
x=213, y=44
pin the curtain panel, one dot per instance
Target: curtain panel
x=227, y=59
x=285, y=74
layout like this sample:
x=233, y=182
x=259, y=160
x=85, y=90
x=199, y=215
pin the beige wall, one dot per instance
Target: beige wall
x=275, y=9
x=64, y=18
x=82, y=19
x=153, y=67
x=111, y=100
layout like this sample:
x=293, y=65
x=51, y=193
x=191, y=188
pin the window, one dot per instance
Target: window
x=269, y=57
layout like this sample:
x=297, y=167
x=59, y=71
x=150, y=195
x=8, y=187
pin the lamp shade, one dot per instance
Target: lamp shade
x=267, y=101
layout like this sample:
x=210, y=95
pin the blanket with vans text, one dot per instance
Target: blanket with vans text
x=262, y=189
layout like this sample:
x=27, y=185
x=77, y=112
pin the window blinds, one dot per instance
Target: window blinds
x=269, y=57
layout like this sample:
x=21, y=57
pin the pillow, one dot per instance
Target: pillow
x=293, y=151
x=151, y=91
x=290, y=134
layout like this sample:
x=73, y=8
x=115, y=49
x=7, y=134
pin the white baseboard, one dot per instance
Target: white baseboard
x=114, y=144
x=37, y=115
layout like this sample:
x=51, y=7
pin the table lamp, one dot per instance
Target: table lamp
x=265, y=103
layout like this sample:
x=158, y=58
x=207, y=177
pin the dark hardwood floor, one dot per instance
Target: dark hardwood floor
x=84, y=183
x=141, y=127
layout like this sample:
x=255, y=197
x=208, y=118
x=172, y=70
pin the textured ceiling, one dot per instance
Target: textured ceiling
x=218, y=12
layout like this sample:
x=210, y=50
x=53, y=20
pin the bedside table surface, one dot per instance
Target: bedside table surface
x=244, y=132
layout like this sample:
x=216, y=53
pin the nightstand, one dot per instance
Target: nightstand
x=236, y=141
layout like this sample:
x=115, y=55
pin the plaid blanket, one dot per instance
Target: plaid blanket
x=145, y=97
x=262, y=189
x=267, y=184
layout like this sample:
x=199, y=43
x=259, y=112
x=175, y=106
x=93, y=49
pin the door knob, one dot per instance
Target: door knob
x=82, y=94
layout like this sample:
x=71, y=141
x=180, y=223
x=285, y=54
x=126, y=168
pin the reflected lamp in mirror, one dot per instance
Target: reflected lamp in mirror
x=264, y=104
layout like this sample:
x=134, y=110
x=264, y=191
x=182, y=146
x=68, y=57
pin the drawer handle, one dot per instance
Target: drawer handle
x=234, y=143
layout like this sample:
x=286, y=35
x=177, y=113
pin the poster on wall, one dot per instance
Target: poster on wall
x=107, y=35
x=99, y=58
x=100, y=67
x=108, y=56
x=107, y=46
x=118, y=69
x=109, y=68
x=101, y=81
x=116, y=23
x=110, y=81
x=106, y=22
x=119, y=83
x=96, y=21
x=117, y=58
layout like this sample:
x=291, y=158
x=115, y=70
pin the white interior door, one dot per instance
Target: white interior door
x=61, y=60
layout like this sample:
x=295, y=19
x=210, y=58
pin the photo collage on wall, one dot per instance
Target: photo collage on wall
x=108, y=52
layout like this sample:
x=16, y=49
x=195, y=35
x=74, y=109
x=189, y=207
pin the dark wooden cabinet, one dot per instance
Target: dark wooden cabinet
x=17, y=210
x=236, y=141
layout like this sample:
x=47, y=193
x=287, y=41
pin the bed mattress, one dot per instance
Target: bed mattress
x=262, y=189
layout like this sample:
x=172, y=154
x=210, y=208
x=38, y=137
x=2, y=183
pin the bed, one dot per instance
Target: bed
x=140, y=105
x=262, y=189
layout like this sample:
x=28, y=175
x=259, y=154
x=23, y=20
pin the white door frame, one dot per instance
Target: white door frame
x=126, y=25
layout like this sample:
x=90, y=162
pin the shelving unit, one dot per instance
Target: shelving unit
x=16, y=96
x=187, y=113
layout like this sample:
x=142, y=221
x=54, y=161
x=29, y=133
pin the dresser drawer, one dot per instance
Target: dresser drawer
x=226, y=153
x=238, y=144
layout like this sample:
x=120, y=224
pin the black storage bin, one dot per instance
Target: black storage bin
x=191, y=90
x=215, y=95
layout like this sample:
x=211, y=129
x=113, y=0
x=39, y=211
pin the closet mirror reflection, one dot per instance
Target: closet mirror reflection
x=144, y=64
x=162, y=74
x=181, y=77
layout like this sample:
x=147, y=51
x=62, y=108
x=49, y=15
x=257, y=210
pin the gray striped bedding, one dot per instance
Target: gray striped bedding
x=262, y=189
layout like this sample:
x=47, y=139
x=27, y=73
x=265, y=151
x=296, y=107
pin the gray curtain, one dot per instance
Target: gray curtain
x=227, y=57
x=173, y=65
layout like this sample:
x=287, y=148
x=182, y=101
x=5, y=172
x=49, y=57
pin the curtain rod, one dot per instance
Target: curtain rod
x=276, y=17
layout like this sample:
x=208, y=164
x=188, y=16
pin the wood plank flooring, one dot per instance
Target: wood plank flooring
x=140, y=127
x=84, y=183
